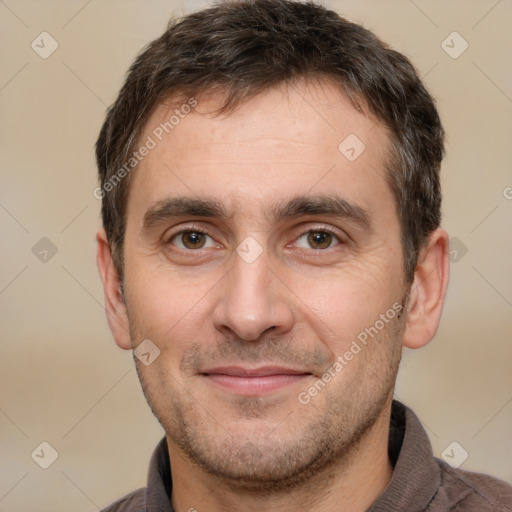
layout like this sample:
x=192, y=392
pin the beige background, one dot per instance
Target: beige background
x=63, y=380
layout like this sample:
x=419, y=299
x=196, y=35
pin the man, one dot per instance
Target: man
x=271, y=210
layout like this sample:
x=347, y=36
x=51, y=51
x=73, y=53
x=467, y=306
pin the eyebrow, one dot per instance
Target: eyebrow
x=182, y=206
x=331, y=205
x=299, y=206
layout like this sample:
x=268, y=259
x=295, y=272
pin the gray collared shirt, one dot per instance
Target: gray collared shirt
x=420, y=482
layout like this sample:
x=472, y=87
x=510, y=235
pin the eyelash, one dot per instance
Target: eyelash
x=322, y=229
x=204, y=231
x=189, y=229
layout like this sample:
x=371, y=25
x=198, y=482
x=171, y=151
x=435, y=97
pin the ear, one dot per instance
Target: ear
x=114, y=303
x=428, y=290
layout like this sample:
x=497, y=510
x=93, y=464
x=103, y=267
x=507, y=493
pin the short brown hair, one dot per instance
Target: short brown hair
x=244, y=47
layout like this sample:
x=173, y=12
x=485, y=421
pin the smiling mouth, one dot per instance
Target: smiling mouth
x=253, y=382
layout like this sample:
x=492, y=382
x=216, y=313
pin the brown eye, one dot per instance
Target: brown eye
x=191, y=240
x=319, y=239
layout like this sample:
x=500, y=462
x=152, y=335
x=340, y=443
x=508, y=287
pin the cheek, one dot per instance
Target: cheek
x=166, y=307
x=341, y=306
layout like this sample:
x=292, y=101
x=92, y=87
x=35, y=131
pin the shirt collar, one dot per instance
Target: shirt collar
x=416, y=476
x=159, y=487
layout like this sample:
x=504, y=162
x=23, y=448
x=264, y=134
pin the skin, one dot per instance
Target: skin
x=299, y=304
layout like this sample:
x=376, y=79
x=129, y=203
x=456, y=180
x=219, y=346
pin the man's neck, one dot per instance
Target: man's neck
x=353, y=485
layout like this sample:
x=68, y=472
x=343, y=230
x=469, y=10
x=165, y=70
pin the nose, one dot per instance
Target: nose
x=252, y=300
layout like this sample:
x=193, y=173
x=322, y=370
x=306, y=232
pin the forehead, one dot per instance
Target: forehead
x=286, y=141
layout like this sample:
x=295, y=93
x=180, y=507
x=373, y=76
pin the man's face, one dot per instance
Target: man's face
x=249, y=309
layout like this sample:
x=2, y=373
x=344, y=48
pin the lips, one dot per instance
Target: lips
x=253, y=381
